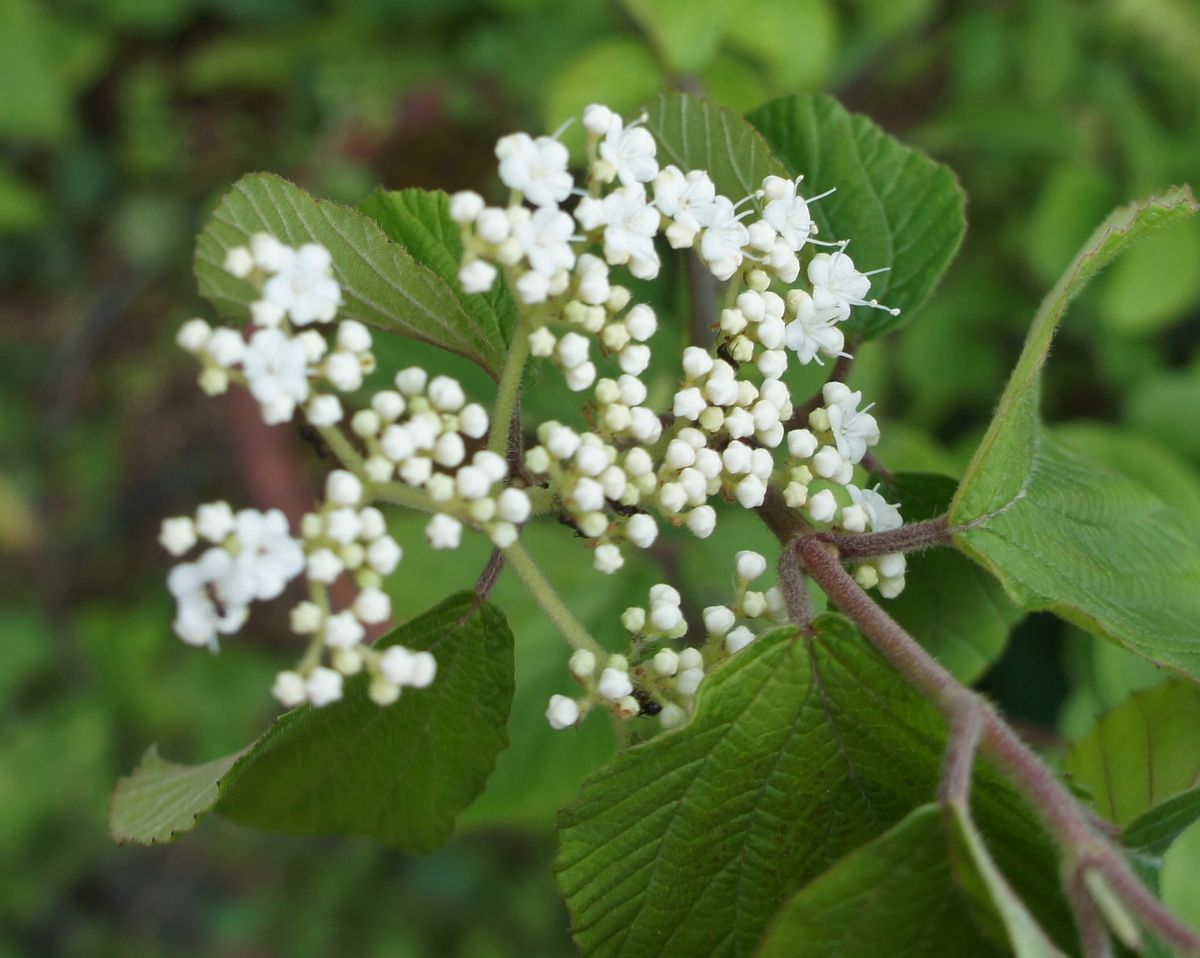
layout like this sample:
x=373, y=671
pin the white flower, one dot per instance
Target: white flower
x=562, y=712
x=303, y=285
x=719, y=619
x=630, y=224
x=607, y=558
x=226, y=346
x=787, y=212
x=535, y=168
x=372, y=606
x=477, y=276
x=750, y=565
x=543, y=238
x=614, y=684
x=853, y=429
x=813, y=330
x=822, y=507
x=837, y=285
x=324, y=686
x=239, y=262
x=177, y=535
x=882, y=516
x=289, y=689
x=343, y=488
x=465, y=206
x=687, y=200
x=324, y=410
x=723, y=240
x=738, y=639
x=342, y=631
x=443, y=532
x=629, y=151
x=269, y=557
x=210, y=600
x=276, y=368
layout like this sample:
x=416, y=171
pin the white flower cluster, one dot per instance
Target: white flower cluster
x=655, y=677
x=280, y=366
x=252, y=556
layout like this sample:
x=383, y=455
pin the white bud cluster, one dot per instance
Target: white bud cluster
x=281, y=367
x=421, y=433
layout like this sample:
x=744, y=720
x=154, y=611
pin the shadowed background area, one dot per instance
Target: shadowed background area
x=122, y=122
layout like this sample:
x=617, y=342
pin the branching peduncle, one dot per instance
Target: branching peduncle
x=966, y=729
x=909, y=538
x=556, y=610
x=1085, y=849
x=508, y=390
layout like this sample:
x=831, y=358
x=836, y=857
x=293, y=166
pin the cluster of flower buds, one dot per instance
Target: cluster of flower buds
x=280, y=366
x=659, y=675
x=728, y=433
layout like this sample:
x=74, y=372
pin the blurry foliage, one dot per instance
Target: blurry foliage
x=122, y=121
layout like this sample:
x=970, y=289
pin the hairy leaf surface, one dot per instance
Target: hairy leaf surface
x=383, y=283
x=1063, y=534
x=400, y=773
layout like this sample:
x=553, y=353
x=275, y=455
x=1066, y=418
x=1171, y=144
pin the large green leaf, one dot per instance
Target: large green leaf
x=400, y=774
x=1059, y=532
x=1142, y=753
x=697, y=134
x=955, y=609
x=899, y=208
x=383, y=283
x=926, y=887
x=800, y=751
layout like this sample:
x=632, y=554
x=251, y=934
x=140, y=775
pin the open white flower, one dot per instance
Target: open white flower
x=535, y=168
x=276, y=368
x=303, y=285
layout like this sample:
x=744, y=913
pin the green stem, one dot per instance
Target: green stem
x=571, y=628
x=399, y=494
x=341, y=447
x=508, y=389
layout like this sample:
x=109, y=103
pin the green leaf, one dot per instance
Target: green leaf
x=1141, y=753
x=899, y=208
x=694, y=134
x=1155, y=831
x=685, y=32
x=951, y=606
x=1059, y=532
x=419, y=220
x=926, y=887
x=976, y=865
x=799, y=752
x=400, y=774
x=382, y=283
x=162, y=800
x=1155, y=285
x=895, y=897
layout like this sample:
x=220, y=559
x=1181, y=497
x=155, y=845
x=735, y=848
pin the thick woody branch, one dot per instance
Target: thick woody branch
x=1083, y=845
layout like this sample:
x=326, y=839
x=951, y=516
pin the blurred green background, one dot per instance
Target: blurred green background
x=121, y=121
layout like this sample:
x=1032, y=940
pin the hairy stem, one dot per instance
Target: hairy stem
x=1093, y=932
x=556, y=610
x=1083, y=845
x=910, y=538
x=507, y=391
x=489, y=575
x=965, y=730
x=794, y=585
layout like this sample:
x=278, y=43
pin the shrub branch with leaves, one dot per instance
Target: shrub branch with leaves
x=793, y=781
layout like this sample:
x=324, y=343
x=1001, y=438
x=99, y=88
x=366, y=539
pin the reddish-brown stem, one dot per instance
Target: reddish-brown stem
x=489, y=575
x=909, y=538
x=966, y=727
x=1066, y=820
x=794, y=585
x=1089, y=922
